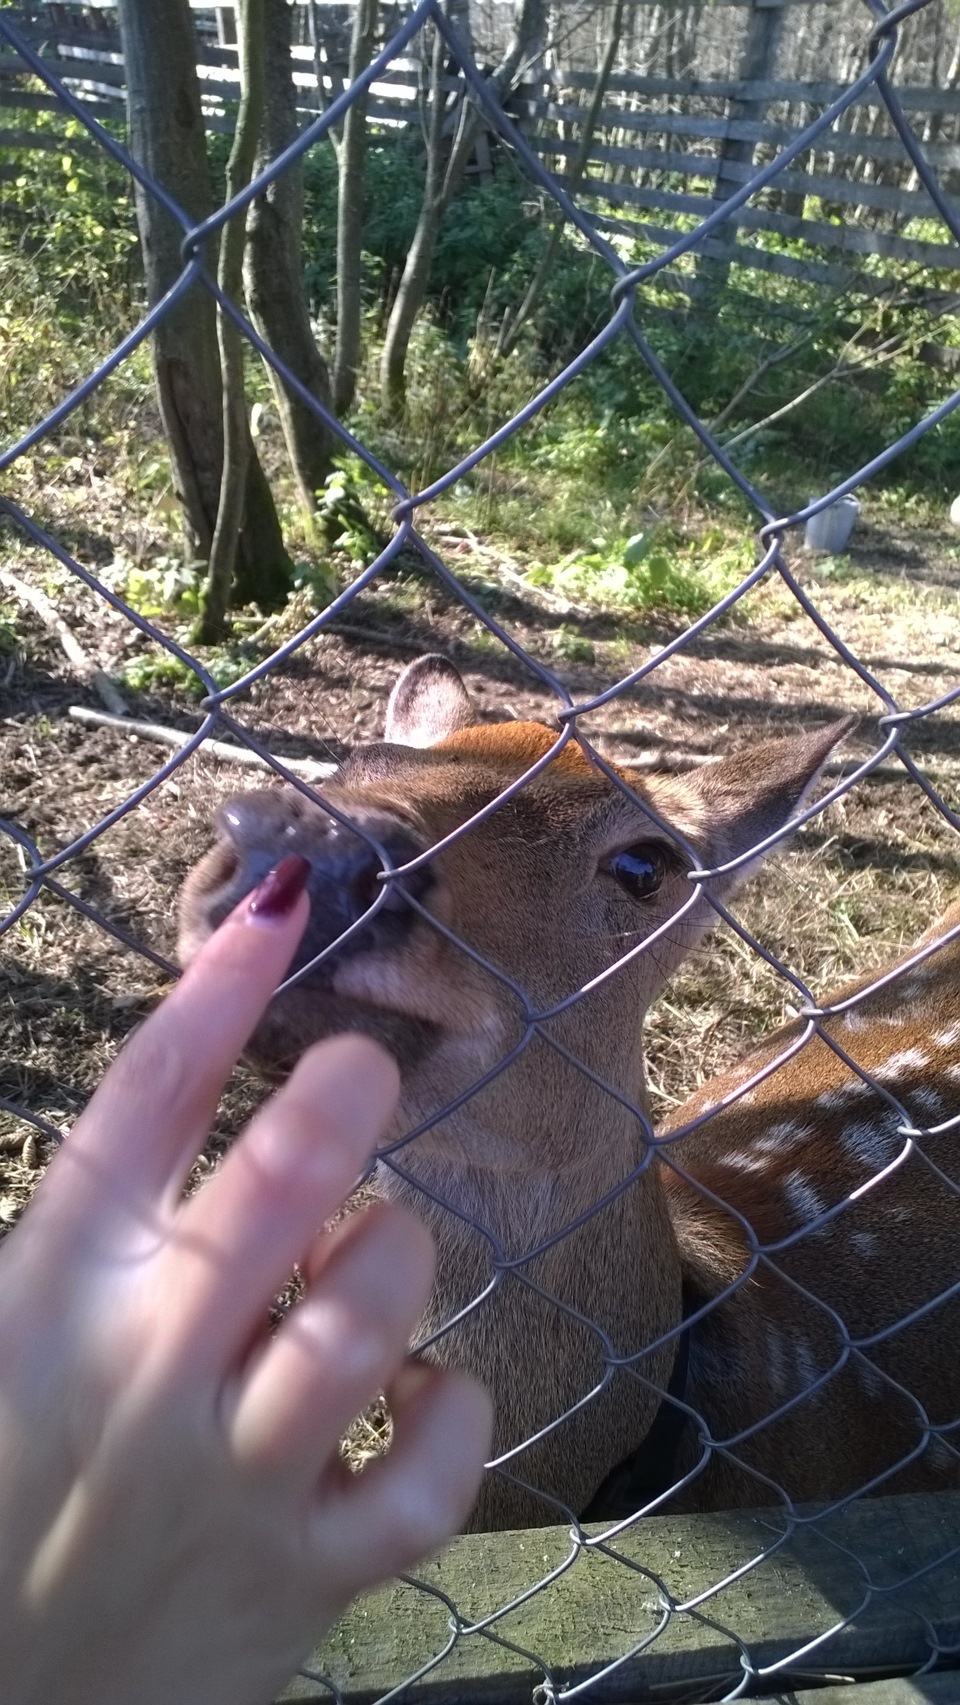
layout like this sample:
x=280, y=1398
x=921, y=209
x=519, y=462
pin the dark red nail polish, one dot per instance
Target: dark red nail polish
x=278, y=893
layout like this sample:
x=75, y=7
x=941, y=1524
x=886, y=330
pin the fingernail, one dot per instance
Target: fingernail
x=275, y=897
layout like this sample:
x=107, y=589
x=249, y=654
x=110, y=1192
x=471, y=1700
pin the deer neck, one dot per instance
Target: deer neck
x=527, y=1155
x=496, y=1182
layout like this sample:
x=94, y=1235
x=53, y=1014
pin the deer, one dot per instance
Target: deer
x=624, y=1296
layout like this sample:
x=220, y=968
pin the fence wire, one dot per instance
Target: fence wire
x=651, y=1593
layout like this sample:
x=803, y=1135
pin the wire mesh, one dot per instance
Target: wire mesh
x=897, y=1125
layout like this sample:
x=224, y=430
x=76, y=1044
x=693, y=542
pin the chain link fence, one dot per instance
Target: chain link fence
x=769, y=1599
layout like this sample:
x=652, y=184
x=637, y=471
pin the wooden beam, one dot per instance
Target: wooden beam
x=813, y=231
x=742, y=254
x=743, y=130
x=940, y=1687
x=913, y=97
x=72, y=70
x=683, y=163
x=866, y=1584
x=27, y=101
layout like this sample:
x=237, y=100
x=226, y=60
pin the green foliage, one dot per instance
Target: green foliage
x=165, y=585
x=70, y=266
x=70, y=206
x=342, y=511
x=572, y=647
x=656, y=571
x=156, y=669
x=487, y=247
x=8, y=629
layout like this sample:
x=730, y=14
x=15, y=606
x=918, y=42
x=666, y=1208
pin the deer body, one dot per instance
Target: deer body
x=812, y=1136
x=540, y=1292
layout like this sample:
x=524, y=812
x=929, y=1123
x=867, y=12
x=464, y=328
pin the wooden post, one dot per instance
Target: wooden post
x=757, y=64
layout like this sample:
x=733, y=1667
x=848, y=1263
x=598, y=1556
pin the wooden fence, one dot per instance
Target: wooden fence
x=662, y=146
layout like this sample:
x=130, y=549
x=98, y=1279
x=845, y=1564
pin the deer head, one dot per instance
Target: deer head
x=546, y=891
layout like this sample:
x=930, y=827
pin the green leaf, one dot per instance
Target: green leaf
x=636, y=549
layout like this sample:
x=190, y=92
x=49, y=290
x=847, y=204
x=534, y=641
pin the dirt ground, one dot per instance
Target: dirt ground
x=868, y=875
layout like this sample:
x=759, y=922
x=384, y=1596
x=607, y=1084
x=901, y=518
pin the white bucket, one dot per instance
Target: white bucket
x=830, y=530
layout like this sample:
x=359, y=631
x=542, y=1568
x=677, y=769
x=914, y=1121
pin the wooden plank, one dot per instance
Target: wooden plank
x=346, y=5
x=817, y=232
x=62, y=36
x=814, y=231
x=69, y=70
x=760, y=260
x=675, y=160
x=742, y=130
x=940, y=1687
x=913, y=97
x=96, y=72
x=599, y=1611
x=849, y=191
x=27, y=101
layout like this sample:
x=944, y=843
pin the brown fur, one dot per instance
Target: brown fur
x=889, y=1252
x=541, y=1144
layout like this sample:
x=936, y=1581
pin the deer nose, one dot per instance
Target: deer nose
x=345, y=867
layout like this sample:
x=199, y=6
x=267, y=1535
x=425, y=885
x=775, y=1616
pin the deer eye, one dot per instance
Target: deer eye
x=639, y=870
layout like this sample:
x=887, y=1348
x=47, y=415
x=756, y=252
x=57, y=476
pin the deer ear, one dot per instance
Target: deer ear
x=724, y=809
x=428, y=702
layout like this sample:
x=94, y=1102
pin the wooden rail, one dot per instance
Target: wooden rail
x=607, y=1609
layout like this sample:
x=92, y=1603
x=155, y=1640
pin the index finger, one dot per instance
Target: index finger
x=150, y=1117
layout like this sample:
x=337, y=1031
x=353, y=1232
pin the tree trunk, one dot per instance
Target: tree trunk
x=510, y=331
x=350, y=163
x=167, y=137
x=440, y=187
x=273, y=270
x=236, y=439
x=413, y=282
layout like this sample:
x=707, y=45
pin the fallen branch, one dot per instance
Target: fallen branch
x=51, y=618
x=308, y=769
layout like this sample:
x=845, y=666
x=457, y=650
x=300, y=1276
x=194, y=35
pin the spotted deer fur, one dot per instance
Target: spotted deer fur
x=544, y=1147
x=812, y=1139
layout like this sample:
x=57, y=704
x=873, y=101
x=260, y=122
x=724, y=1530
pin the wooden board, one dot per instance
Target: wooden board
x=861, y=1584
x=682, y=163
x=813, y=231
x=912, y=97
x=837, y=142
x=942, y=1687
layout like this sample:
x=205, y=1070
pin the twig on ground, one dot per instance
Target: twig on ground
x=308, y=769
x=51, y=618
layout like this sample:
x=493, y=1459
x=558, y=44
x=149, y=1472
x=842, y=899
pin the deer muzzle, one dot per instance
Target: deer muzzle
x=350, y=895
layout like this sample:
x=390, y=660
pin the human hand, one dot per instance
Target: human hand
x=175, y=1523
